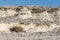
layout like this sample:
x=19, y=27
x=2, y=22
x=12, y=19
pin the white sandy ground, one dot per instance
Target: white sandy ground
x=4, y=27
x=25, y=13
x=33, y=32
x=29, y=36
x=41, y=28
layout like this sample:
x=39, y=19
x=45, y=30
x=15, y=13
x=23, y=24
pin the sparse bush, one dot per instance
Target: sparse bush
x=37, y=10
x=52, y=10
x=17, y=9
x=16, y=29
x=37, y=25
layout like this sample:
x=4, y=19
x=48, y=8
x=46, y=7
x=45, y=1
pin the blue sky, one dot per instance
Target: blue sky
x=29, y=2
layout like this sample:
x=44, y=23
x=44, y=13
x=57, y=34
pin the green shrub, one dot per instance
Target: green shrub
x=16, y=29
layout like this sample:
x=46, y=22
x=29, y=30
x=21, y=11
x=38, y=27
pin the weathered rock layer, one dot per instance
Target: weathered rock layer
x=30, y=18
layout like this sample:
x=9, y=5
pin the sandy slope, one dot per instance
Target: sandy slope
x=39, y=23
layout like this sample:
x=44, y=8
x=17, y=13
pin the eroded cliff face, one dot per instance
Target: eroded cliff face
x=30, y=18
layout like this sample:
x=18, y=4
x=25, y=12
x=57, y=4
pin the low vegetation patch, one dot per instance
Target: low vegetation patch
x=16, y=29
x=53, y=10
x=37, y=10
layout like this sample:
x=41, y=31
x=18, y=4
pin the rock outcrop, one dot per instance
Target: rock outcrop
x=30, y=18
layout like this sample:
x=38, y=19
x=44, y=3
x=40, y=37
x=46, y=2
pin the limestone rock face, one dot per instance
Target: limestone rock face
x=30, y=18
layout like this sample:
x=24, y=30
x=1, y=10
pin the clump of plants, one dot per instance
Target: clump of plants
x=52, y=10
x=37, y=10
x=16, y=29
